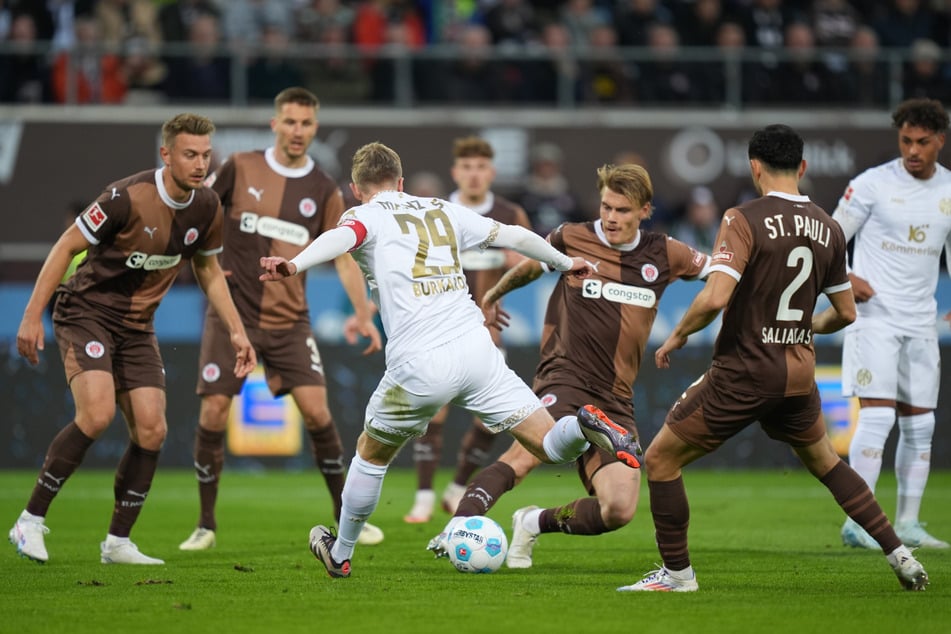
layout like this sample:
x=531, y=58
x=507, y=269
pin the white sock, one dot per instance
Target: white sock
x=868, y=443
x=898, y=554
x=913, y=463
x=361, y=494
x=112, y=539
x=564, y=442
x=26, y=516
x=682, y=575
x=531, y=521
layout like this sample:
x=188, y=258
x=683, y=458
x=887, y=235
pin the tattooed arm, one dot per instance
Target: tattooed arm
x=522, y=274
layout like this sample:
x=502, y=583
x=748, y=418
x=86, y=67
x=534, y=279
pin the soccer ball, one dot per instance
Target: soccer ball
x=477, y=544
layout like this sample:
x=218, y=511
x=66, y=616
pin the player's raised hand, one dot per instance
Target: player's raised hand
x=30, y=339
x=276, y=268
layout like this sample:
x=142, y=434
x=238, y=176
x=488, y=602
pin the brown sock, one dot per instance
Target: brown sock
x=209, y=463
x=63, y=457
x=671, y=514
x=133, y=481
x=426, y=452
x=328, y=454
x=857, y=500
x=485, y=489
x=473, y=453
x=581, y=517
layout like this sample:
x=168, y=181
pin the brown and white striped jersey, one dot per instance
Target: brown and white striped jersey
x=271, y=210
x=784, y=251
x=139, y=239
x=596, y=329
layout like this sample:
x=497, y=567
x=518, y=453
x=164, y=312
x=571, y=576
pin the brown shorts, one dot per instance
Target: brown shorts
x=565, y=400
x=88, y=341
x=289, y=356
x=709, y=413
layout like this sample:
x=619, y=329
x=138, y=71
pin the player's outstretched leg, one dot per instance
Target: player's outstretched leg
x=27, y=535
x=603, y=432
x=909, y=571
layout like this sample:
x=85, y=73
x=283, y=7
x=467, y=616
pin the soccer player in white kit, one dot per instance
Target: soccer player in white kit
x=438, y=349
x=900, y=216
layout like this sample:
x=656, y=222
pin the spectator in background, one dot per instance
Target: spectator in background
x=547, y=196
x=338, y=76
x=204, y=74
x=581, y=17
x=144, y=72
x=123, y=20
x=700, y=23
x=804, y=78
x=426, y=184
x=23, y=73
x=834, y=23
x=315, y=17
x=903, y=22
x=606, y=77
x=474, y=77
x=251, y=21
x=699, y=221
x=633, y=19
x=765, y=22
x=555, y=78
x=511, y=22
x=53, y=19
x=664, y=78
x=866, y=81
x=176, y=18
x=924, y=75
x=374, y=17
x=87, y=73
x=271, y=71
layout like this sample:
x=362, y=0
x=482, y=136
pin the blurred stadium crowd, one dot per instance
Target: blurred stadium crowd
x=568, y=53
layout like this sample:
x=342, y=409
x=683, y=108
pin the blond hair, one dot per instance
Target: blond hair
x=630, y=180
x=375, y=164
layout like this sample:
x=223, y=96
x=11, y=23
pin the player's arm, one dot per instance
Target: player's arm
x=851, y=214
x=524, y=273
x=708, y=303
x=211, y=279
x=837, y=316
x=325, y=247
x=30, y=336
x=351, y=277
x=534, y=246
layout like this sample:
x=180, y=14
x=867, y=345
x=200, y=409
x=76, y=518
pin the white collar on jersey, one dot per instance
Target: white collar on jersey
x=796, y=199
x=630, y=246
x=163, y=193
x=288, y=172
x=482, y=209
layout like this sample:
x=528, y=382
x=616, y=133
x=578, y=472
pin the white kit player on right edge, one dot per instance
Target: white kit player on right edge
x=438, y=348
x=899, y=214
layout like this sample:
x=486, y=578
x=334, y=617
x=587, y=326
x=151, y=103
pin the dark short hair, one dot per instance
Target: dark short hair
x=777, y=146
x=928, y=114
x=472, y=147
x=298, y=95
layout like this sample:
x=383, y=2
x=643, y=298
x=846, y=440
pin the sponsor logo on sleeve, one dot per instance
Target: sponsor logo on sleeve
x=698, y=257
x=95, y=349
x=848, y=193
x=549, y=399
x=722, y=255
x=190, y=236
x=211, y=179
x=94, y=217
x=307, y=207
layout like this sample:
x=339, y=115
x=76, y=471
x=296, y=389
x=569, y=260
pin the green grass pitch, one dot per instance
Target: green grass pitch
x=765, y=546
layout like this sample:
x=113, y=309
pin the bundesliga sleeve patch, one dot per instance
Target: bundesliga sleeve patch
x=94, y=217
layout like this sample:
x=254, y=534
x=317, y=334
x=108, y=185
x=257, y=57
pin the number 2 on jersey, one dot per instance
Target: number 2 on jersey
x=801, y=256
x=433, y=229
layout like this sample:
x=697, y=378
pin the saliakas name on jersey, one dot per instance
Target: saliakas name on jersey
x=804, y=226
x=787, y=336
x=442, y=285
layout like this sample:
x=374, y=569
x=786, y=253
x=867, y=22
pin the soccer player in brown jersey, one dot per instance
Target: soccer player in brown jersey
x=139, y=233
x=775, y=255
x=473, y=172
x=593, y=340
x=276, y=201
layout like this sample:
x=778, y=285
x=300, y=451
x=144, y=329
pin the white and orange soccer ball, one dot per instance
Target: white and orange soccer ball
x=477, y=544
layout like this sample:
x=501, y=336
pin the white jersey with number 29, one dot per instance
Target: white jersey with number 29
x=901, y=224
x=410, y=256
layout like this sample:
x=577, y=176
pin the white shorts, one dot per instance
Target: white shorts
x=469, y=372
x=877, y=363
